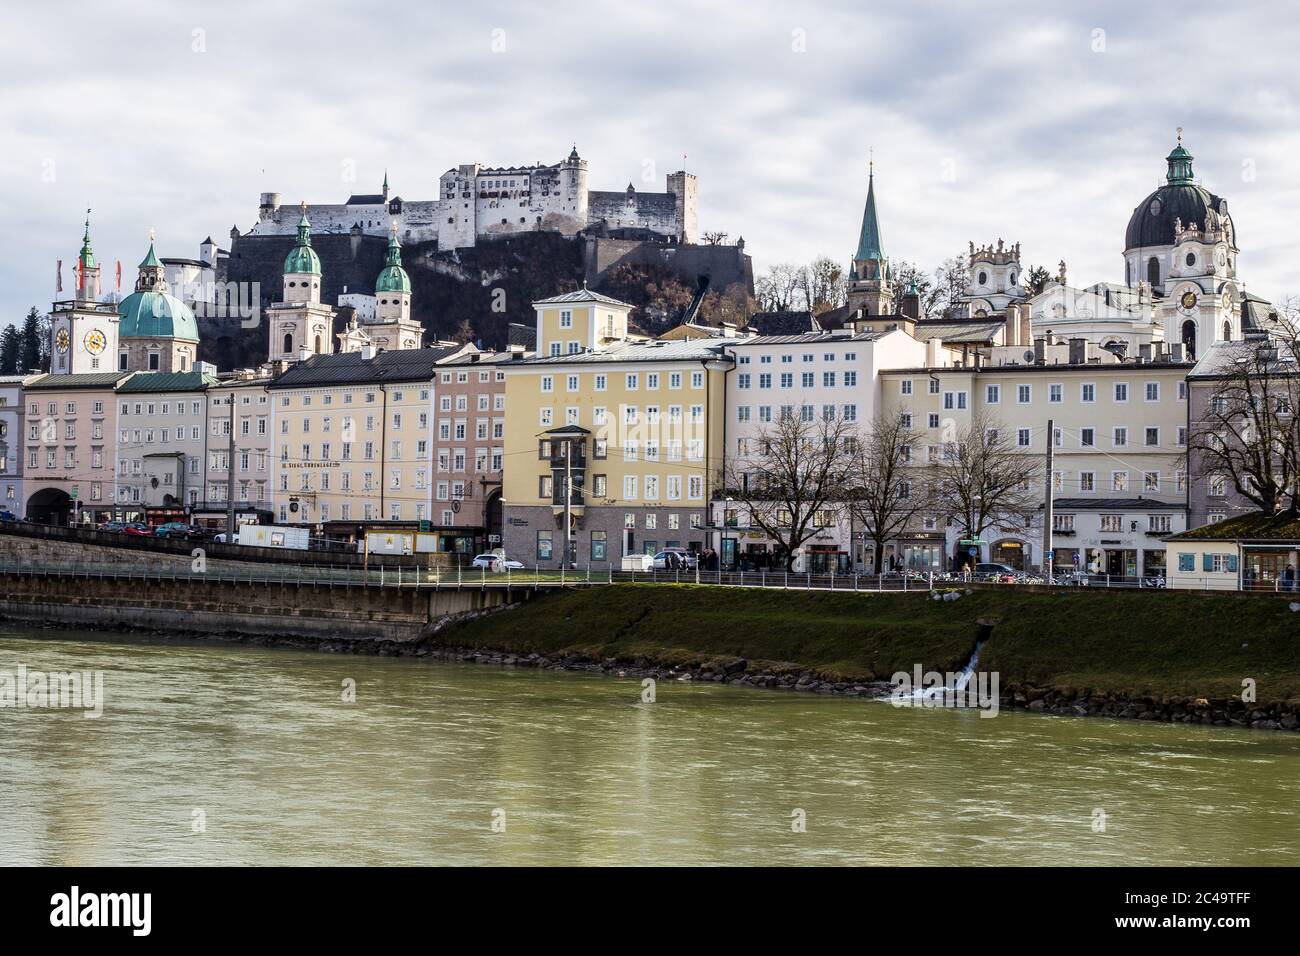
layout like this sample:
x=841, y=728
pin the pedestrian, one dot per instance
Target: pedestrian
x=1288, y=578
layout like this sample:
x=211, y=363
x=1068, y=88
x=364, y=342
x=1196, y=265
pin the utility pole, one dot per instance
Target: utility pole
x=568, y=502
x=1047, y=503
x=230, y=472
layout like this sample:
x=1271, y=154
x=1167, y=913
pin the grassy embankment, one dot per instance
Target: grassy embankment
x=1135, y=644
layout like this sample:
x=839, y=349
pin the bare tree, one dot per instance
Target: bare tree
x=1247, y=431
x=949, y=285
x=984, y=481
x=822, y=283
x=886, y=493
x=778, y=290
x=714, y=238
x=790, y=479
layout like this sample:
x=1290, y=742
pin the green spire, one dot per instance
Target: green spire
x=385, y=182
x=1180, y=164
x=393, y=278
x=87, y=254
x=869, y=246
x=151, y=260
x=302, y=258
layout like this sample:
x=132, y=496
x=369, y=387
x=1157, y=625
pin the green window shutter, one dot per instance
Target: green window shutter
x=1232, y=563
x=1186, y=562
x=1207, y=562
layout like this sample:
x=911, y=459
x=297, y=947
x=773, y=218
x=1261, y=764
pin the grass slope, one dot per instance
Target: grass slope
x=1143, y=644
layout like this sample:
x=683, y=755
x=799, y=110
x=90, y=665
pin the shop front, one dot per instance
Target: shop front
x=1010, y=552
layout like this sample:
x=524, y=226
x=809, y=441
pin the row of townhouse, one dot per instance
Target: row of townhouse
x=335, y=442
x=641, y=434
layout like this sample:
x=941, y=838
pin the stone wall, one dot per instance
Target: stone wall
x=724, y=266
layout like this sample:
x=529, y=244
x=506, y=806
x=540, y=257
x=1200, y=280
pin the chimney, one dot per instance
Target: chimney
x=1176, y=352
x=1144, y=353
x=1040, y=351
x=1012, y=334
x=367, y=352
x=933, y=352
x=1078, y=351
x=1025, y=320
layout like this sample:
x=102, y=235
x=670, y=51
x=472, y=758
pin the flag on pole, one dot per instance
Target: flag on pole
x=76, y=271
x=119, y=275
x=58, y=276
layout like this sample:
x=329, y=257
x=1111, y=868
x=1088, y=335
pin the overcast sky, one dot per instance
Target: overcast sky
x=1022, y=121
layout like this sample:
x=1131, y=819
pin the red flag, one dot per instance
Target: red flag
x=119, y=275
x=99, y=288
x=76, y=271
x=58, y=276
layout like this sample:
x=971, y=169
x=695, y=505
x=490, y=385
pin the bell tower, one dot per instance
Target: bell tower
x=83, y=331
x=870, y=290
x=300, y=326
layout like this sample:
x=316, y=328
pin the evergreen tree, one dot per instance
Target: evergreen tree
x=30, y=355
x=11, y=346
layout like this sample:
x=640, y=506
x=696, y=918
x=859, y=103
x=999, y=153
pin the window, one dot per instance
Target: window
x=1151, y=436
x=1153, y=391
x=1151, y=481
x=1024, y=394
x=599, y=546
x=1121, y=391
x=1087, y=392
x=545, y=544
x=1111, y=523
x=1119, y=438
x=1087, y=481
x=1023, y=437
x=934, y=387
x=1160, y=524
x=1087, y=438
x=905, y=387
x=993, y=394
x=1186, y=562
x=933, y=420
x=1055, y=393
x=1119, y=481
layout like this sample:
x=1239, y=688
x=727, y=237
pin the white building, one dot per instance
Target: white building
x=161, y=443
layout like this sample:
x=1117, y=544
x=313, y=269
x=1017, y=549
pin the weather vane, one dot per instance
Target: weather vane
x=1180, y=136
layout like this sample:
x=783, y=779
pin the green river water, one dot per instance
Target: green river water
x=259, y=746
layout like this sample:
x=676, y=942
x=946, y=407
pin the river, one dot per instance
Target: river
x=223, y=754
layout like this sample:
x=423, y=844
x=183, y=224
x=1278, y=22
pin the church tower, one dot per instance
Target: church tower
x=83, y=331
x=393, y=327
x=157, y=331
x=870, y=290
x=300, y=325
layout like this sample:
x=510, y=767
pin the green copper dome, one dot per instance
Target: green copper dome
x=302, y=258
x=393, y=278
x=156, y=315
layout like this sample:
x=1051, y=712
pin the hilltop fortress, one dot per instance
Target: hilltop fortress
x=478, y=202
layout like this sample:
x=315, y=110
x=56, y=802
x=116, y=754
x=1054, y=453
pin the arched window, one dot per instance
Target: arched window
x=318, y=347
x=1189, y=339
x=1128, y=273
x=288, y=343
x=1153, y=271
x=1227, y=331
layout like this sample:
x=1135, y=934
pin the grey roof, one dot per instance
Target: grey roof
x=581, y=295
x=366, y=199
x=807, y=338
x=1116, y=504
x=518, y=333
x=1222, y=358
x=781, y=323
x=659, y=350
x=349, y=368
x=969, y=331
x=83, y=380
x=167, y=382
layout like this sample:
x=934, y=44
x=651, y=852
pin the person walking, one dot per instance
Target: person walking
x=1288, y=578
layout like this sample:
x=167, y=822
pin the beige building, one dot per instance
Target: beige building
x=634, y=430
x=1119, y=436
x=252, y=420
x=352, y=438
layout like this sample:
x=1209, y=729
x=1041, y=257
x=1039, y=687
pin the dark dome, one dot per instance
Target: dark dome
x=1153, y=225
x=1152, y=222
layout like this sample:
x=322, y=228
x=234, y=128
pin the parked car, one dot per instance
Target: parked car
x=495, y=562
x=137, y=529
x=117, y=527
x=180, y=529
x=993, y=571
x=6, y=516
x=673, y=559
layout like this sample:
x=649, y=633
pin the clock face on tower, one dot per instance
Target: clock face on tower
x=62, y=340
x=1188, y=301
x=95, y=341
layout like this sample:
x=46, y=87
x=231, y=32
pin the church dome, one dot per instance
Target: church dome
x=393, y=278
x=1153, y=221
x=156, y=315
x=302, y=258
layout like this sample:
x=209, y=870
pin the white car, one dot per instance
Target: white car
x=673, y=560
x=495, y=562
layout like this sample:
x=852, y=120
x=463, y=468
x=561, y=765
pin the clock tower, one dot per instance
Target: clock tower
x=83, y=331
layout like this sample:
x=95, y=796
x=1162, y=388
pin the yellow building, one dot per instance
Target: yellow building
x=635, y=429
x=353, y=437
